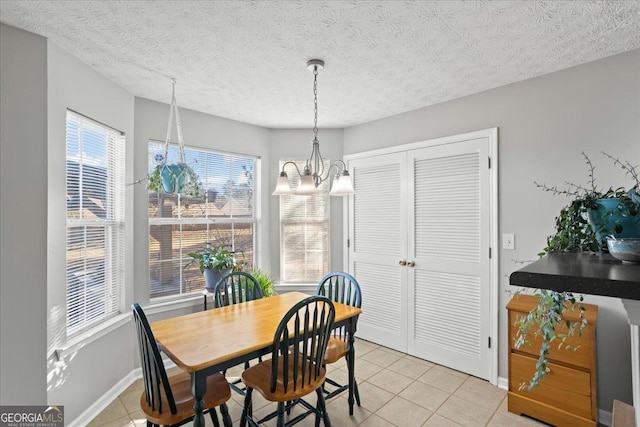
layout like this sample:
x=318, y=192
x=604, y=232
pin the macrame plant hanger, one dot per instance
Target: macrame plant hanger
x=175, y=174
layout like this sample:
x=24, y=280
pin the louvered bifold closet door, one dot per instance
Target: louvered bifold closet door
x=378, y=241
x=449, y=284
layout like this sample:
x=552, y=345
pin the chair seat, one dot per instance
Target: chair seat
x=218, y=392
x=258, y=377
x=336, y=350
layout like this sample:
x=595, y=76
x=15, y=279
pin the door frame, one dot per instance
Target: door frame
x=492, y=135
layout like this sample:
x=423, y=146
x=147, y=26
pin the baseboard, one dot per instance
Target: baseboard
x=105, y=400
x=503, y=383
x=112, y=394
x=604, y=418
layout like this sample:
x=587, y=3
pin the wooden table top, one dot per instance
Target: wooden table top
x=199, y=340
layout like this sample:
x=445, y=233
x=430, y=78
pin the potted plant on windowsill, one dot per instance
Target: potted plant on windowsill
x=214, y=262
x=581, y=226
x=265, y=280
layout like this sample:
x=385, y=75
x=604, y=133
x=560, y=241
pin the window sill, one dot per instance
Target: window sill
x=308, y=288
x=160, y=305
x=89, y=336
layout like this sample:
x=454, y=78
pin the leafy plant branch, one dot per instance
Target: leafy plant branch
x=546, y=319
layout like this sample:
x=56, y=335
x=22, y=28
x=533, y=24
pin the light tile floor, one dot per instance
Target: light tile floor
x=396, y=390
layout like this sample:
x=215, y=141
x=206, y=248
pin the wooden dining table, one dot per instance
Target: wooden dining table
x=211, y=341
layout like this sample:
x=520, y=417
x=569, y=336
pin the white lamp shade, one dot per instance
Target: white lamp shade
x=342, y=186
x=282, y=186
x=307, y=186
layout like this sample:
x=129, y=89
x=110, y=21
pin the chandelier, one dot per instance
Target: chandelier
x=314, y=171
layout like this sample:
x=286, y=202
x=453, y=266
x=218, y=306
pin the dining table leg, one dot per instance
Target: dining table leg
x=351, y=362
x=198, y=389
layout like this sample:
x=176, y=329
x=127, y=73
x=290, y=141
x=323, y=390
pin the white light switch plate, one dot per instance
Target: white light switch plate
x=508, y=241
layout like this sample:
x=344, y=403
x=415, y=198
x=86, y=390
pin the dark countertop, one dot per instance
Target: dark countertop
x=585, y=273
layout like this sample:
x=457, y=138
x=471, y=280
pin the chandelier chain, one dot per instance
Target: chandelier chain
x=315, y=102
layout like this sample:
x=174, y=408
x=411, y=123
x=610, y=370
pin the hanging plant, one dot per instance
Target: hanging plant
x=173, y=179
x=178, y=177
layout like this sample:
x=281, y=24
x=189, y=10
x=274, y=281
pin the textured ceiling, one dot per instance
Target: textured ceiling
x=245, y=60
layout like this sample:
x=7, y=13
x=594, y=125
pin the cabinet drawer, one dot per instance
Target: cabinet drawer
x=582, y=357
x=566, y=388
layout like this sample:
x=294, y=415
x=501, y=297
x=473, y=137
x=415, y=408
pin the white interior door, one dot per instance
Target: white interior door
x=431, y=204
x=377, y=243
x=449, y=239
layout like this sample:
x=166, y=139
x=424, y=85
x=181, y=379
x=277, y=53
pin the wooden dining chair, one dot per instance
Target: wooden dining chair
x=168, y=401
x=343, y=288
x=295, y=368
x=236, y=287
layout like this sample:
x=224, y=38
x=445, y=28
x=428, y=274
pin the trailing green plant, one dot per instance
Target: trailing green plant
x=215, y=258
x=572, y=234
x=545, y=320
x=265, y=280
x=154, y=180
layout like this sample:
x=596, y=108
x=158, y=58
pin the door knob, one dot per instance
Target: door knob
x=402, y=262
x=411, y=263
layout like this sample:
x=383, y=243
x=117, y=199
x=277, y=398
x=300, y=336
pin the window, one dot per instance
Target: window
x=95, y=222
x=224, y=213
x=304, y=233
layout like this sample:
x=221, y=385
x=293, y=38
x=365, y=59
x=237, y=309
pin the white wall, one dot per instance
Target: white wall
x=84, y=375
x=23, y=210
x=293, y=144
x=544, y=124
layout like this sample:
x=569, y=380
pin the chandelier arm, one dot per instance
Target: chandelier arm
x=334, y=164
x=310, y=162
x=344, y=165
x=318, y=162
x=320, y=176
x=294, y=165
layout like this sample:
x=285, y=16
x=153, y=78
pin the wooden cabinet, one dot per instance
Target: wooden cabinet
x=567, y=394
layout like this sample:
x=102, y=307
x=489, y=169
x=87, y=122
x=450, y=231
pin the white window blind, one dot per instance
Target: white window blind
x=95, y=222
x=304, y=232
x=223, y=213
